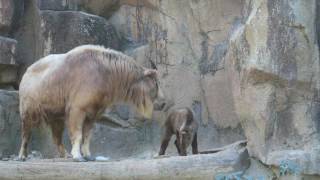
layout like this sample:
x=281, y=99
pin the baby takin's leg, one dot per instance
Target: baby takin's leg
x=194, y=144
x=165, y=141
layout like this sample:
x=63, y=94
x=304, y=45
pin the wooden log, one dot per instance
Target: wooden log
x=202, y=166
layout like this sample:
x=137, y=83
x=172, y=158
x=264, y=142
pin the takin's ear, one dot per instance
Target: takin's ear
x=150, y=72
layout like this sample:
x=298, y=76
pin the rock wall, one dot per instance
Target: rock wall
x=9, y=126
x=273, y=60
x=249, y=69
x=187, y=48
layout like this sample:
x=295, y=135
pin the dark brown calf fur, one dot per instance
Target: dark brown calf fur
x=181, y=123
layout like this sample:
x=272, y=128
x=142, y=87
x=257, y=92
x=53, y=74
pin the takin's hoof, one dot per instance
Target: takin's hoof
x=157, y=156
x=182, y=154
x=89, y=158
x=21, y=159
x=66, y=156
x=79, y=159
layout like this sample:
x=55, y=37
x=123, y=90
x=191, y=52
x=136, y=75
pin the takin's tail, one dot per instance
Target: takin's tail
x=31, y=113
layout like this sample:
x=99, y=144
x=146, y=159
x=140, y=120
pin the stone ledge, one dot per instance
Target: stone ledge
x=308, y=162
x=179, y=167
x=8, y=74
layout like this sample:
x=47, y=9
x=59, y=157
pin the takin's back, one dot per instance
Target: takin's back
x=60, y=79
x=39, y=72
x=58, y=74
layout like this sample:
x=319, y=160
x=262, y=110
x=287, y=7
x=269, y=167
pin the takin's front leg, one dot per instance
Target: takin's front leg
x=181, y=146
x=75, y=125
x=177, y=146
x=87, y=127
x=177, y=143
x=164, y=143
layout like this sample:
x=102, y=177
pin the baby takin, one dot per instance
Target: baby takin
x=180, y=122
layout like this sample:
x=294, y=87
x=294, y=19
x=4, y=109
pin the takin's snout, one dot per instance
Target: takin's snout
x=159, y=105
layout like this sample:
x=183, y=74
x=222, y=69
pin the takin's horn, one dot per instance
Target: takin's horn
x=153, y=65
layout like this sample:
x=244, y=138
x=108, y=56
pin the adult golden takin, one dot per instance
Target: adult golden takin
x=74, y=88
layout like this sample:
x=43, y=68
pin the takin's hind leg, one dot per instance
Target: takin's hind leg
x=195, y=144
x=57, y=129
x=85, y=148
x=75, y=125
x=25, y=137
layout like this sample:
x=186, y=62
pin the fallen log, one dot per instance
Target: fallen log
x=201, y=166
x=211, y=151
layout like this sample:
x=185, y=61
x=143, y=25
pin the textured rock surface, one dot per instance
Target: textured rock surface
x=6, y=15
x=180, y=38
x=273, y=60
x=9, y=122
x=7, y=50
x=48, y=31
x=62, y=31
x=249, y=69
x=8, y=74
x=103, y=8
x=8, y=66
x=57, y=5
x=306, y=161
x=163, y=32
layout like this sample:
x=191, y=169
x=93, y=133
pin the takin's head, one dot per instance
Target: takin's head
x=146, y=94
x=187, y=130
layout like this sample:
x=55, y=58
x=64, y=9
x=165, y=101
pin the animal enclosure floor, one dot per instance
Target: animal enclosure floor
x=201, y=166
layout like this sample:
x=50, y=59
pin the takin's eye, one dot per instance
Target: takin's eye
x=153, y=88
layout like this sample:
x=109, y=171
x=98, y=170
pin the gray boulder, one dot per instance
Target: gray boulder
x=61, y=31
x=6, y=15
x=102, y=8
x=9, y=122
x=8, y=66
x=7, y=50
x=273, y=63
